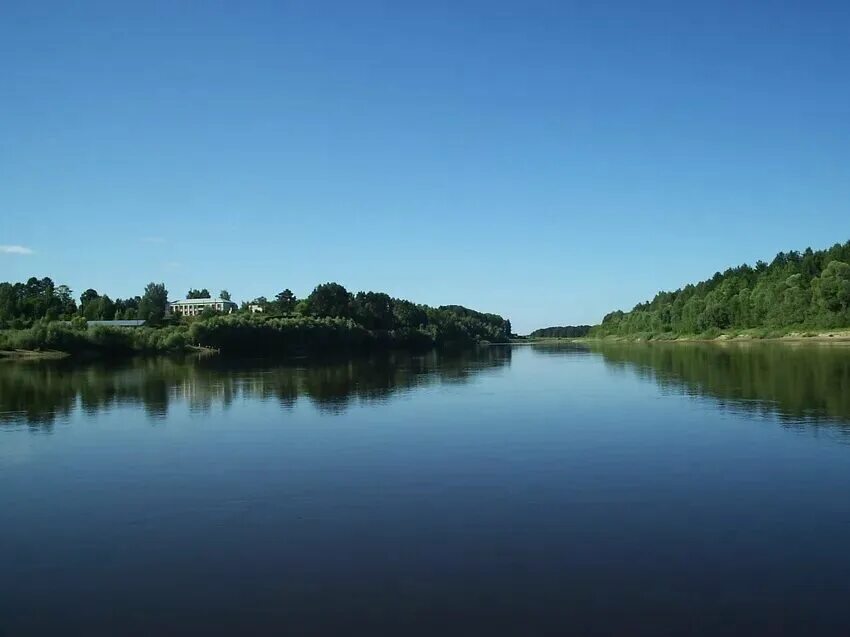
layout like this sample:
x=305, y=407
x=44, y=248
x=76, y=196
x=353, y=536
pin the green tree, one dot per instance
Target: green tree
x=153, y=304
x=330, y=299
x=224, y=294
x=285, y=302
x=373, y=310
x=65, y=298
x=127, y=309
x=88, y=296
x=100, y=309
x=89, y=306
x=832, y=288
x=796, y=300
x=408, y=315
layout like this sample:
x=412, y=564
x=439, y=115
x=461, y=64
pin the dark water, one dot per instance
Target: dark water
x=627, y=490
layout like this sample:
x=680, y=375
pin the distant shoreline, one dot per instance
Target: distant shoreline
x=837, y=337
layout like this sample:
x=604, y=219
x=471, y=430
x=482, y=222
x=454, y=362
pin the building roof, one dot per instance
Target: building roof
x=128, y=323
x=199, y=301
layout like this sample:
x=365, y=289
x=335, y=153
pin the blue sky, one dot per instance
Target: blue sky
x=546, y=161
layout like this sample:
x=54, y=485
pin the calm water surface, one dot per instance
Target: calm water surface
x=640, y=490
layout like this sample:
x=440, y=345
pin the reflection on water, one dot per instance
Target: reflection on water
x=805, y=384
x=560, y=348
x=800, y=384
x=569, y=490
x=37, y=393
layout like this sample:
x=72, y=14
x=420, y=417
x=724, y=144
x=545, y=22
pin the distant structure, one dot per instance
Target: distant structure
x=117, y=323
x=112, y=323
x=255, y=308
x=194, y=307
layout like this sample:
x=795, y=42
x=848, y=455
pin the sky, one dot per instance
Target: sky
x=547, y=161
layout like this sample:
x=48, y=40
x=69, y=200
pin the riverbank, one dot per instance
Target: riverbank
x=248, y=335
x=29, y=355
x=826, y=336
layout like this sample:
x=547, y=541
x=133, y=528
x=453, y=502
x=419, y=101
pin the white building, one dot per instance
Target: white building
x=194, y=307
x=255, y=308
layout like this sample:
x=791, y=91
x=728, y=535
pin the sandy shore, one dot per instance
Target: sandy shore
x=828, y=336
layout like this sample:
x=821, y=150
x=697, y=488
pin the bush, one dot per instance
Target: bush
x=102, y=340
x=710, y=333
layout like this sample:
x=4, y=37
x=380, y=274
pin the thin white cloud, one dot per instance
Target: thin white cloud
x=15, y=250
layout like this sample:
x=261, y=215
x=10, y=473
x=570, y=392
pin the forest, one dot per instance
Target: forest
x=39, y=315
x=562, y=331
x=807, y=290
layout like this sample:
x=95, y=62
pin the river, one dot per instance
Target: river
x=606, y=489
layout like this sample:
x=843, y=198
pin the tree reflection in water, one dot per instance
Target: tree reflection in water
x=37, y=393
x=803, y=385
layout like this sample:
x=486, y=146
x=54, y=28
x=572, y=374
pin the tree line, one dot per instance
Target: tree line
x=809, y=289
x=563, y=331
x=40, y=314
x=23, y=304
x=332, y=317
